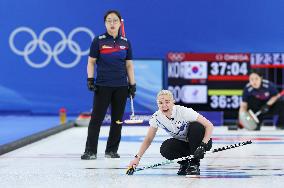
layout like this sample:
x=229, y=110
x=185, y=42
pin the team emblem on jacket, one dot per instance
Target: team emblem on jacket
x=102, y=36
x=123, y=38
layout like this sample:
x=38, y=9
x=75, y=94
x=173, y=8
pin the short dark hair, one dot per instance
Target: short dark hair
x=259, y=72
x=114, y=12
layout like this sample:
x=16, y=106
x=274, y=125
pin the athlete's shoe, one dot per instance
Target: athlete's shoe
x=193, y=169
x=111, y=155
x=182, y=168
x=89, y=155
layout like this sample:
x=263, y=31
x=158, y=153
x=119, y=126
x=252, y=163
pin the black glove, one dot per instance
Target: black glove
x=91, y=84
x=132, y=90
x=200, y=151
x=264, y=109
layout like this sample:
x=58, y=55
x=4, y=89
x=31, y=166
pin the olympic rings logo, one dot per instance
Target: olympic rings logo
x=176, y=56
x=45, y=47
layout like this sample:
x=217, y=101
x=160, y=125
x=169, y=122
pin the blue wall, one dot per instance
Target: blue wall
x=157, y=27
x=154, y=27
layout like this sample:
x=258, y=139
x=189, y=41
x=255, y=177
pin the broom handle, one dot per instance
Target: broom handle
x=257, y=113
x=191, y=156
x=132, y=106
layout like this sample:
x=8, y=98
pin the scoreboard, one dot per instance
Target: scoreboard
x=208, y=81
x=215, y=81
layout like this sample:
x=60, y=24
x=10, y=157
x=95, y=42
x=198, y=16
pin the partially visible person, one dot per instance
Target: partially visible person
x=115, y=81
x=191, y=134
x=262, y=95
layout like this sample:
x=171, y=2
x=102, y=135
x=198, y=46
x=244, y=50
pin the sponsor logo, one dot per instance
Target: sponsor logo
x=232, y=57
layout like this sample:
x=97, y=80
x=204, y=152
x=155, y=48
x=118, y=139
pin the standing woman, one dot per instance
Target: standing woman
x=115, y=81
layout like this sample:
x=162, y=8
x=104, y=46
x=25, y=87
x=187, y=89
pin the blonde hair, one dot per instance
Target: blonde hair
x=165, y=92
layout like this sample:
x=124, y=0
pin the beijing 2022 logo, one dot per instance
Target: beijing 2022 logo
x=46, y=48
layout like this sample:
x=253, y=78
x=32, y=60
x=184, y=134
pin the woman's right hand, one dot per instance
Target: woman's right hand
x=134, y=163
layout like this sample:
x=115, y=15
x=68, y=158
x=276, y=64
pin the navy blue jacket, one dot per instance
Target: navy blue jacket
x=266, y=90
x=111, y=54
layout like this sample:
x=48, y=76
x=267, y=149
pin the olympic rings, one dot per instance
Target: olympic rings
x=46, y=48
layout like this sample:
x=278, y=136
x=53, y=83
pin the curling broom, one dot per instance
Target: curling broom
x=131, y=170
x=133, y=119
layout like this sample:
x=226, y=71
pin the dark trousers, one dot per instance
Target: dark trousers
x=105, y=96
x=173, y=148
x=276, y=109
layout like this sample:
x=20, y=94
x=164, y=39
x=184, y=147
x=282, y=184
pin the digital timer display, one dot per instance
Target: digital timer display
x=225, y=102
x=224, y=99
x=224, y=68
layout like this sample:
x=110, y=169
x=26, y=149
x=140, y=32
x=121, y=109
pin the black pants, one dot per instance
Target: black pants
x=276, y=109
x=105, y=96
x=173, y=148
